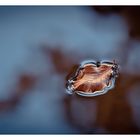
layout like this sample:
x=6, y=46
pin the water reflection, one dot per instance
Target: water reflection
x=41, y=47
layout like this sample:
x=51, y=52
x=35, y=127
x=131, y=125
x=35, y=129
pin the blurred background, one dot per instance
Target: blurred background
x=40, y=47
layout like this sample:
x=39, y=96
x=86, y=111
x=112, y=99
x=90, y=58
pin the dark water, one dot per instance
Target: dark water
x=40, y=47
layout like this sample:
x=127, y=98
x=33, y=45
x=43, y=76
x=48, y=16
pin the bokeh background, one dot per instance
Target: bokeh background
x=40, y=47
